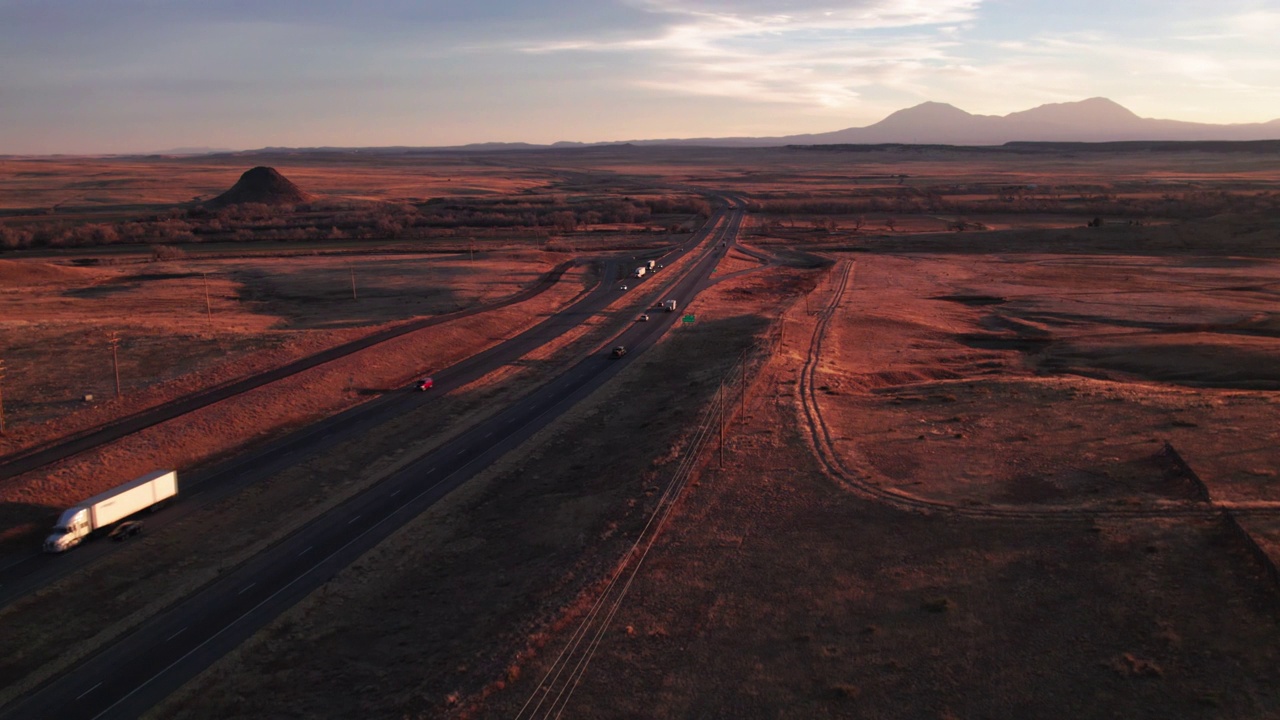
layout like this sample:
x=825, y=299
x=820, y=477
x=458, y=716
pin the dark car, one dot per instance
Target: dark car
x=619, y=351
x=125, y=530
x=425, y=384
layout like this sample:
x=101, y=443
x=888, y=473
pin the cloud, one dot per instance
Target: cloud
x=809, y=53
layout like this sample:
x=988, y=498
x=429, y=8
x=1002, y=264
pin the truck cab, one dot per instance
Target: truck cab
x=72, y=528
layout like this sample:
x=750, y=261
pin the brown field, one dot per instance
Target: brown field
x=992, y=524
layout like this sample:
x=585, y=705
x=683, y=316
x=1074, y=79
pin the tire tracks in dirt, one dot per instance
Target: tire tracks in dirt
x=824, y=449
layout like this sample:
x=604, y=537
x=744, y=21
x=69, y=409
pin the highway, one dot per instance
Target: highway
x=127, y=677
x=26, y=571
x=38, y=456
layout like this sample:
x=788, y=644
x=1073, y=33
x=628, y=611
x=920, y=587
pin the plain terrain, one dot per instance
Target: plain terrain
x=949, y=492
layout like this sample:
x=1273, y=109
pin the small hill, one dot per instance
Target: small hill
x=261, y=185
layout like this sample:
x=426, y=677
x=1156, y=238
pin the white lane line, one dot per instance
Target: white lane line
x=246, y=587
x=397, y=492
x=304, y=552
x=489, y=435
x=431, y=471
x=353, y=519
x=86, y=692
x=461, y=453
x=175, y=635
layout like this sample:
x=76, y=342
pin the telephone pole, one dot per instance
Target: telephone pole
x=113, y=337
x=1, y=397
x=721, y=403
x=208, y=309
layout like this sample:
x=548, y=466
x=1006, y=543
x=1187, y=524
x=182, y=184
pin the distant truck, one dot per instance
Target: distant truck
x=669, y=306
x=651, y=264
x=99, y=511
x=640, y=271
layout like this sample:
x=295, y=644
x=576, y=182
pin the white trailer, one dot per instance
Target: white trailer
x=116, y=504
x=669, y=306
x=651, y=265
x=640, y=271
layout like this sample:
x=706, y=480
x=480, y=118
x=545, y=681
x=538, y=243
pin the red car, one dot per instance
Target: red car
x=425, y=384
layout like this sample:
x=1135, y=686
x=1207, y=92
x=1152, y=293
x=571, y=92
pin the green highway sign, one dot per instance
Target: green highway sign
x=687, y=318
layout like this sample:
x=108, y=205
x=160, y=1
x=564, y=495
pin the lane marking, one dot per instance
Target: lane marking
x=175, y=634
x=431, y=471
x=353, y=519
x=86, y=692
x=304, y=552
x=489, y=435
x=397, y=492
x=246, y=587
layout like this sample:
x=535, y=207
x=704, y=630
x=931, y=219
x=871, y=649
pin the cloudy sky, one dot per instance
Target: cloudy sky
x=100, y=76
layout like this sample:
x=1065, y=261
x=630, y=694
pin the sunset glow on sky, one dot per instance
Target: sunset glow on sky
x=107, y=76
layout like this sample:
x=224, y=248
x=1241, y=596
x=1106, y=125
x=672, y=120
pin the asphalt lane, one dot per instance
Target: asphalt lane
x=131, y=675
x=36, y=457
x=26, y=571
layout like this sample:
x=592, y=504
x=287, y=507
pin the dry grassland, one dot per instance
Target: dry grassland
x=130, y=184
x=779, y=592
x=1032, y=367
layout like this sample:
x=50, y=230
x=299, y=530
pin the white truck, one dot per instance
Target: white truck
x=640, y=271
x=651, y=264
x=118, y=503
x=669, y=306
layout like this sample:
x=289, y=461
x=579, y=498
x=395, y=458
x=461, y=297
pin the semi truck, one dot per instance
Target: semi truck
x=77, y=522
x=640, y=271
x=651, y=265
x=669, y=306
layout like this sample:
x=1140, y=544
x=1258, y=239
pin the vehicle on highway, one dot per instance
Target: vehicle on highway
x=669, y=306
x=624, y=287
x=425, y=384
x=77, y=522
x=619, y=351
x=644, y=317
x=126, y=530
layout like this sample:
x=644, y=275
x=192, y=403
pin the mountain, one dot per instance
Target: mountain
x=261, y=185
x=1092, y=120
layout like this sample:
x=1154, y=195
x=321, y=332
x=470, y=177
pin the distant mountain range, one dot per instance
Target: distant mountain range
x=1096, y=120
x=933, y=123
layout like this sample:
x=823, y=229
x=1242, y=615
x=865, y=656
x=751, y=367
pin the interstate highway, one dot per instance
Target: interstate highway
x=29, y=570
x=129, y=676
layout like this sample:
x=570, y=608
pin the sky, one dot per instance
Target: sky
x=121, y=76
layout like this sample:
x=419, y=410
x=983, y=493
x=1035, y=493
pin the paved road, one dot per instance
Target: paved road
x=25, y=571
x=43, y=454
x=126, y=678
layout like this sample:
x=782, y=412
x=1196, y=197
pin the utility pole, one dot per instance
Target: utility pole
x=208, y=309
x=721, y=398
x=113, y=337
x=742, y=404
x=1, y=397
x=353, y=283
